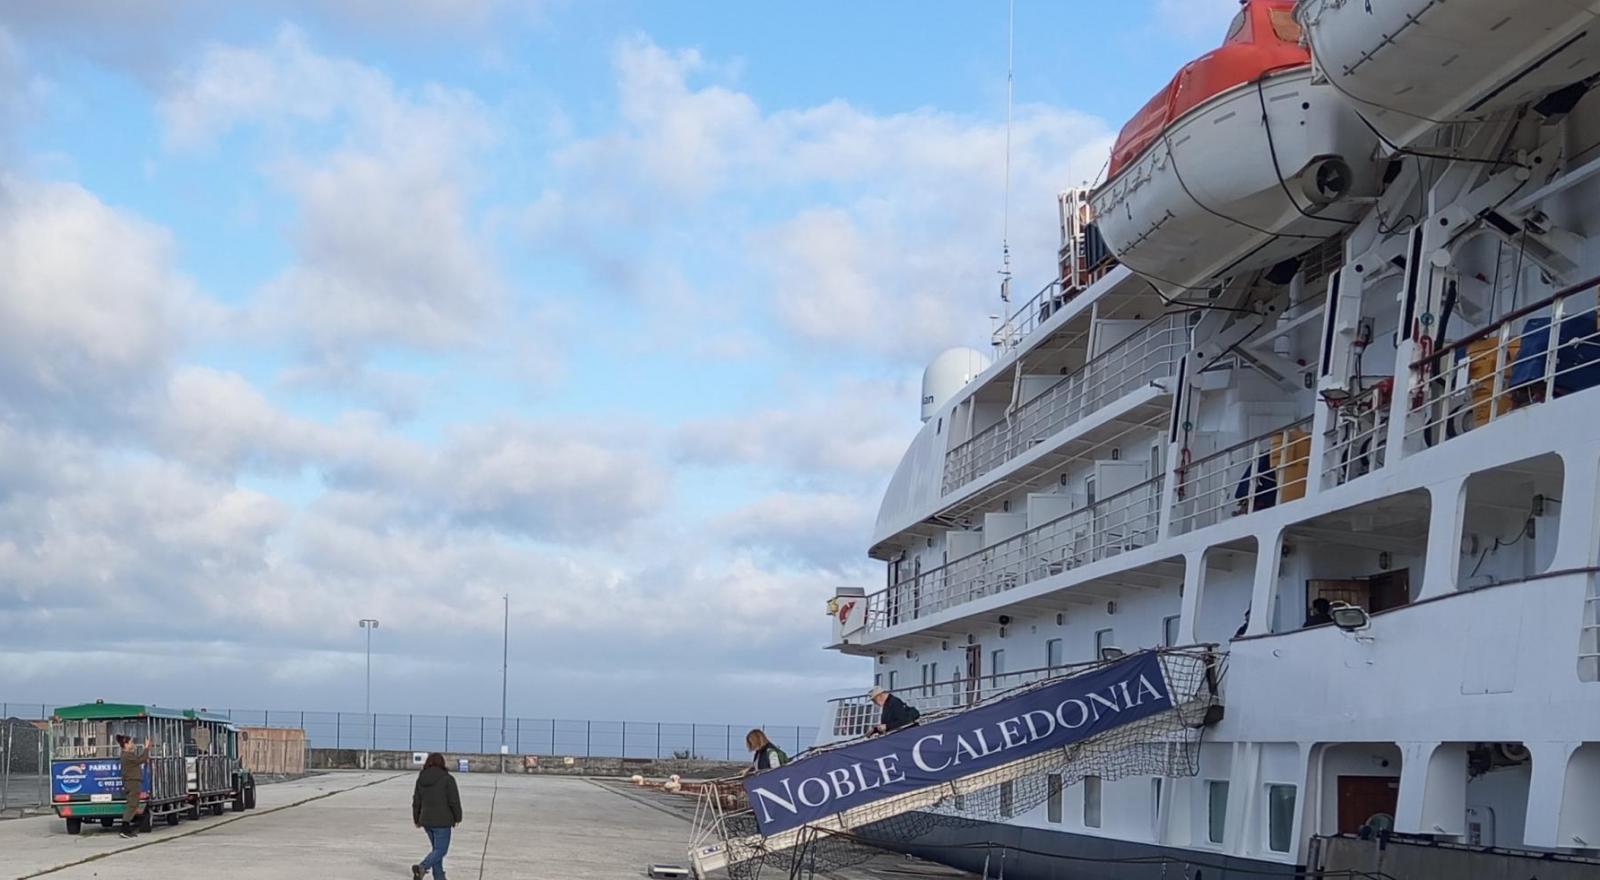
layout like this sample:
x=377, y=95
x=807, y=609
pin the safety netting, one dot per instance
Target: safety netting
x=1167, y=744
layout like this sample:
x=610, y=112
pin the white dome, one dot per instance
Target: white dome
x=947, y=375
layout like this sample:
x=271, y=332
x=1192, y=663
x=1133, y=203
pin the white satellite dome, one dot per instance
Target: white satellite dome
x=947, y=375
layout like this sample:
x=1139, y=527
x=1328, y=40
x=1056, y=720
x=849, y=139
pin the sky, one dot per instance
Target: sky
x=321, y=310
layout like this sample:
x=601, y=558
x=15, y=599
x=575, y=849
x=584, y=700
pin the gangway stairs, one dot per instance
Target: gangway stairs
x=728, y=837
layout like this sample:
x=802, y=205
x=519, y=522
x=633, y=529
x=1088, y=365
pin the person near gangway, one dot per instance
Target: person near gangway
x=896, y=712
x=765, y=755
x=436, y=809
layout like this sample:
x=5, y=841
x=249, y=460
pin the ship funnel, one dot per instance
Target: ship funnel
x=947, y=375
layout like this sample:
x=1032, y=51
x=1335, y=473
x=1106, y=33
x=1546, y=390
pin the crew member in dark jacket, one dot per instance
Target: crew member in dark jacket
x=435, y=808
x=896, y=714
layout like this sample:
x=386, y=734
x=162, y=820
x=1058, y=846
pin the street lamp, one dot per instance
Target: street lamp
x=369, y=625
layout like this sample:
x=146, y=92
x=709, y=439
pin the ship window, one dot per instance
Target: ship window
x=955, y=688
x=1103, y=639
x=1052, y=653
x=1053, y=810
x=1169, y=631
x=1091, y=801
x=1216, y=810
x=1284, y=26
x=997, y=662
x=893, y=674
x=1239, y=31
x=1280, y=817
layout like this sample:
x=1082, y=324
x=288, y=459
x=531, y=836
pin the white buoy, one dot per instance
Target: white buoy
x=637, y=779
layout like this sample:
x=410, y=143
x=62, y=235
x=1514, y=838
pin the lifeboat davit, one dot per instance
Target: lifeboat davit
x=1239, y=163
x=1410, y=65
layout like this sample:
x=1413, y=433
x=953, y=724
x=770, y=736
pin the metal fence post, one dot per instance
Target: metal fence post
x=658, y=740
x=553, y=736
x=588, y=738
x=338, y=729
x=446, y=733
x=727, y=742
x=5, y=770
x=480, y=735
x=624, y=739
x=693, y=730
x=519, y=736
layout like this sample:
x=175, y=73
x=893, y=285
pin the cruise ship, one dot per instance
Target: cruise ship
x=1314, y=393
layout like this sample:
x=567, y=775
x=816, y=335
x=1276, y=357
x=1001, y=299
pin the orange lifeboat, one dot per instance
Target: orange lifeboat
x=1239, y=162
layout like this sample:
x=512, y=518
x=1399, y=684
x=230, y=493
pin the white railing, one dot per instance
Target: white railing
x=1034, y=311
x=1151, y=353
x=1546, y=350
x=1114, y=525
x=1357, y=436
x=855, y=716
x=1589, y=640
x=1259, y=473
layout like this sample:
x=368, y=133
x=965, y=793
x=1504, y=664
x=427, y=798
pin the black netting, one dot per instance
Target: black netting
x=1166, y=745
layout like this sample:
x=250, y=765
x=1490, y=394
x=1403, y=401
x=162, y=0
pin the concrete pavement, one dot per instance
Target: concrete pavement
x=357, y=826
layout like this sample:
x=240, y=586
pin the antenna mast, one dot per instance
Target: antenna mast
x=1005, y=222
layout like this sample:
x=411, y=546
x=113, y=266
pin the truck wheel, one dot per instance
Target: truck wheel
x=145, y=820
x=108, y=822
x=194, y=811
x=216, y=809
x=250, y=796
x=238, y=801
x=74, y=826
x=172, y=817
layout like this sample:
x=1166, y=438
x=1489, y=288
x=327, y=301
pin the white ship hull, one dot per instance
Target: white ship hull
x=1208, y=199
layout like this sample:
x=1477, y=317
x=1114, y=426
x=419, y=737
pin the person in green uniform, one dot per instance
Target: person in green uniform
x=134, y=760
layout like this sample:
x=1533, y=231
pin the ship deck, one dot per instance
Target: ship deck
x=356, y=826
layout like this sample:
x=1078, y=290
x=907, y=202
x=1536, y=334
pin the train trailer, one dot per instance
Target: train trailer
x=193, y=764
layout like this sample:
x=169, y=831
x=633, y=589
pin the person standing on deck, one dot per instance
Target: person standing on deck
x=134, y=760
x=896, y=714
x=765, y=755
x=436, y=809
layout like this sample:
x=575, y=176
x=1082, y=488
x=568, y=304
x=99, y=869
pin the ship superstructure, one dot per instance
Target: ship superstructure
x=1315, y=386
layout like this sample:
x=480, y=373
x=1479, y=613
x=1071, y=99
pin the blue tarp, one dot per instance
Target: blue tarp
x=989, y=736
x=1577, y=360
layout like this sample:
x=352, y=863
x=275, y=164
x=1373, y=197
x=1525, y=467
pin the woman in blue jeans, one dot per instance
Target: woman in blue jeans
x=435, y=808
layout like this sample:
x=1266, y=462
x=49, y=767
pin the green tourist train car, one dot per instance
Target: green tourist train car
x=194, y=763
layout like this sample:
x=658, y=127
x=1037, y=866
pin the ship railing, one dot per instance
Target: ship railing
x=1254, y=475
x=1357, y=436
x=1035, y=310
x=1589, y=640
x=1149, y=354
x=856, y=715
x=1110, y=526
x=1542, y=351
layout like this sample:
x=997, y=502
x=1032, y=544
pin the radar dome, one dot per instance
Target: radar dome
x=947, y=375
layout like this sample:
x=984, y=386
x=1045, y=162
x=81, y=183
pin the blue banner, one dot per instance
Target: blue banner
x=1050, y=717
x=96, y=779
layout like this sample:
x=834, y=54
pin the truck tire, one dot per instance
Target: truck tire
x=107, y=822
x=173, y=817
x=145, y=820
x=194, y=811
x=238, y=800
x=216, y=809
x=74, y=826
x=250, y=796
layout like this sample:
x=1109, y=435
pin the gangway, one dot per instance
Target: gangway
x=1142, y=714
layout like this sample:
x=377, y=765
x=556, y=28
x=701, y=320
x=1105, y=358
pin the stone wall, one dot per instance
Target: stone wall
x=650, y=768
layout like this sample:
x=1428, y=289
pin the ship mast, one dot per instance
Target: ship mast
x=1005, y=221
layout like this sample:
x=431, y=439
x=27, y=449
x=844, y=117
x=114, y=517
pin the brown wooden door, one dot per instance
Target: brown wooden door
x=1362, y=797
x=1390, y=590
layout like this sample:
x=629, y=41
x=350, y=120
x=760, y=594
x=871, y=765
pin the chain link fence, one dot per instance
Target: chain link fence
x=24, y=776
x=465, y=734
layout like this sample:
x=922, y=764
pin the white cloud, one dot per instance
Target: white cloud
x=825, y=530
x=92, y=306
x=388, y=252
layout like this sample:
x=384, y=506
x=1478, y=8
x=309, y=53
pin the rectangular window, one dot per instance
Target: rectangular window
x=1053, y=810
x=1091, y=801
x=1052, y=653
x=955, y=688
x=1008, y=802
x=877, y=679
x=1169, y=631
x=997, y=663
x=1280, y=817
x=893, y=674
x=1103, y=639
x=1216, y=810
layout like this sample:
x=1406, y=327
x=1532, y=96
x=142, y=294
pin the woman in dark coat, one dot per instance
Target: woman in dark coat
x=435, y=808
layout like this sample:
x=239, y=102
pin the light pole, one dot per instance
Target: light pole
x=369, y=625
x=505, y=657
